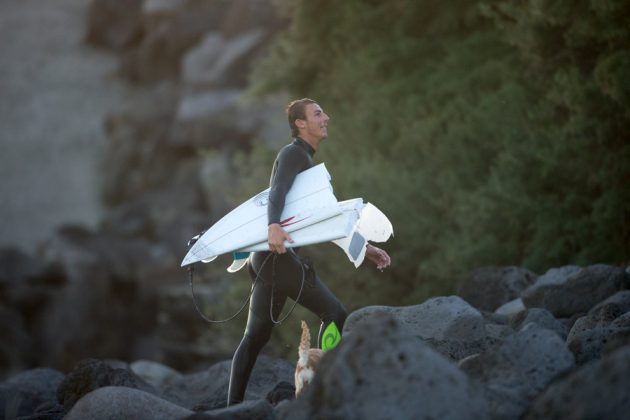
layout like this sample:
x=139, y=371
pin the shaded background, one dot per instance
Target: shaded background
x=490, y=133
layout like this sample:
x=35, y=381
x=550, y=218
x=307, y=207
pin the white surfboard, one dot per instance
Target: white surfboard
x=309, y=201
x=351, y=231
x=336, y=227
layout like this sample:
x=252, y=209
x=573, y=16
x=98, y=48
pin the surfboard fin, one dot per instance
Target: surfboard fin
x=372, y=225
x=240, y=259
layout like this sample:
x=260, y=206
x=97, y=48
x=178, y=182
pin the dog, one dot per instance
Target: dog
x=307, y=362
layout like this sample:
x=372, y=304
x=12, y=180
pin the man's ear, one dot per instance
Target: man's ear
x=300, y=123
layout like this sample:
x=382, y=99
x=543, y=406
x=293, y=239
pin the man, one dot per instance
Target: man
x=279, y=275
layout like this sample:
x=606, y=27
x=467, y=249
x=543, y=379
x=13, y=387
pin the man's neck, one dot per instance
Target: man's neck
x=311, y=141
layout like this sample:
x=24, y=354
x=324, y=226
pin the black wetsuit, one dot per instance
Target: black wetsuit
x=282, y=275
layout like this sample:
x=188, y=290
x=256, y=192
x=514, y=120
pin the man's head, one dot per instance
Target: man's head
x=307, y=120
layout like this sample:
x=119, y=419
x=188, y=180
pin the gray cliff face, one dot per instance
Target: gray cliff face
x=55, y=94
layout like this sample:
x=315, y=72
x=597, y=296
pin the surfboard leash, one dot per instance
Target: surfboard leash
x=273, y=275
x=221, y=321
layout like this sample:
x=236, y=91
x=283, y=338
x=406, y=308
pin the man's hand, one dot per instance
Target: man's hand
x=379, y=257
x=276, y=238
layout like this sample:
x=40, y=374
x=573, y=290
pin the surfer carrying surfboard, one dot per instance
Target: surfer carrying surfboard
x=278, y=271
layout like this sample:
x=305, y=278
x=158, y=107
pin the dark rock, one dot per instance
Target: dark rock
x=488, y=288
x=449, y=324
x=569, y=290
x=598, y=390
x=156, y=374
x=47, y=412
x=22, y=394
x=591, y=334
x=381, y=372
x=254, y=409
x=113, y=24
x=114, y=402
x=541, y=317
x=605, y=326
x=283, y=391
x=91, y=374
x=516, y=371
x=207, y=390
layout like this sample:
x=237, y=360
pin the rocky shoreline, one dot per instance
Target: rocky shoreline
x=555, y=346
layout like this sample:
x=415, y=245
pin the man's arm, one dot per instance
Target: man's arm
x=290, y=163
x=276, y=237
x=378, y=256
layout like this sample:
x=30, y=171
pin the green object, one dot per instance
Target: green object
x=331, y=337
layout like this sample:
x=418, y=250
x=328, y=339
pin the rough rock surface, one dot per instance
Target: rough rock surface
x=570, y=290
x=22, y=394
x=449, y=324
x=113, y=402
x=516, y=371
x=605, y=327
x=541, y=317
x=91, y=374
x=488, y=288
x=598, y=390
x=207, y=390
x=382, y=372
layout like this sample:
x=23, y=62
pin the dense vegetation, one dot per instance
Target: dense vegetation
x=490, y=132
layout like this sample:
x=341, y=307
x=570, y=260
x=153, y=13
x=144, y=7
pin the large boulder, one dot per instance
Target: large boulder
x=541, y=317
x=381, y=372
x=517, y=370
x=247, y=410
x=449, y=324
x=22, y=394
x=115, y=402
x=208, y=389
x=488, y=288
x=598, y=390
x=569, y=290
x=606, y=324
x=156, y=374
x=91, y=374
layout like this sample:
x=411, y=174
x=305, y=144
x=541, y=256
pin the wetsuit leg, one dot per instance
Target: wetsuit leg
x=315, y=296
x=258, y=329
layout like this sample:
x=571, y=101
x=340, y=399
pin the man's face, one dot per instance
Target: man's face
x=316, y=124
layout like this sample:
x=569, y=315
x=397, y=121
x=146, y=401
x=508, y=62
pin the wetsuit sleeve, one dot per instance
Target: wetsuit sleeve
x=291, y=161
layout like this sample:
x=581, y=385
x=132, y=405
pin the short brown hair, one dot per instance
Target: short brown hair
x=296, y=110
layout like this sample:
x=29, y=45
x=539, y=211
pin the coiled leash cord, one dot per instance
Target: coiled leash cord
x=273, y=276
x=191, y=271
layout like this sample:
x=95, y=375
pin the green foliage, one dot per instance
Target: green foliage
x=491, y=133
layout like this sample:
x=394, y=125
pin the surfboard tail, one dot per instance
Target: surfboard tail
x=372, y=225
